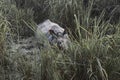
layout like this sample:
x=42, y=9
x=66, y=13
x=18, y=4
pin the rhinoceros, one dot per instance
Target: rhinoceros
x=51, y=33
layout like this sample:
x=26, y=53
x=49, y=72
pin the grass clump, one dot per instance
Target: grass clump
x=95, y=40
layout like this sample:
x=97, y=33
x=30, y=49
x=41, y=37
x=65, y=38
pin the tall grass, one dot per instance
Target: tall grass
x=3, y=30
x=94, y=53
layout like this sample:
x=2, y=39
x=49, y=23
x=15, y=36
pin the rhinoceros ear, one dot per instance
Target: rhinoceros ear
x=64, y=32
x=52, y=32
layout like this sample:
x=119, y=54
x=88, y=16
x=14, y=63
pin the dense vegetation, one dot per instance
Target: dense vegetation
x=94, y=29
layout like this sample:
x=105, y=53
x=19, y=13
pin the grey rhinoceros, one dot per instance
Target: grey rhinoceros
x=51, y=33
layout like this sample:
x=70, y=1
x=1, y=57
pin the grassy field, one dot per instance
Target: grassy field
x=94, y=30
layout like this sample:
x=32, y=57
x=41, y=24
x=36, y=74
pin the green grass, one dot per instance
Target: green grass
x=94, y=53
